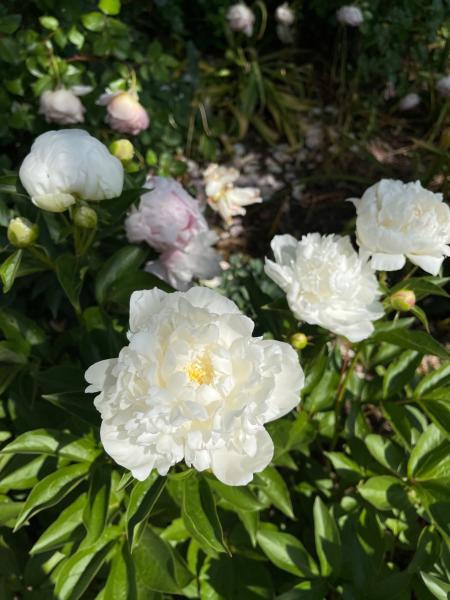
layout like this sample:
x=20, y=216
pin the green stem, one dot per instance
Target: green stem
x=345, y=376
x=41, y=257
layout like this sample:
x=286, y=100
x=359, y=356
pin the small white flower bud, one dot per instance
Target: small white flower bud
x=22, y=233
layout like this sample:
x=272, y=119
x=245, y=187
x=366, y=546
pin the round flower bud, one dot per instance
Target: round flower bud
x=403, y=300
x=299, y=341
x=86, y=217
x=443, y=86
x=22, y=233
x=122, y=149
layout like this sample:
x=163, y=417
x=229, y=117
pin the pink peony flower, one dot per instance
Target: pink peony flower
x=167, y=216
x=125, y=113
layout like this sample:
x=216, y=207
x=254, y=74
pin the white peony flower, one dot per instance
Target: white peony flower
x=443, y=86
x=125, y=113
x=326, y=283
x=68, y=164
x=63, y=105
x=284, y=14
x=193, y=384
x=167, y=216
x=197, y=260
x=409, y=101
x=397, y=220
x=350, y=15
x=223, y=196
x=241, y=18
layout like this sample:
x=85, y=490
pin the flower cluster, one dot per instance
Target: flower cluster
x=222, y=194
x=193, y=384
x=169, y=220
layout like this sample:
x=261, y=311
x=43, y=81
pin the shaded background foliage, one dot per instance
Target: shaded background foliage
x=357, y=502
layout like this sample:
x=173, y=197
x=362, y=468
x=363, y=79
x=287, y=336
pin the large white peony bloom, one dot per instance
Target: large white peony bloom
x=63, y=105
x=397, y=220
x=241, y=18
x=350, y=15
x=326, y=283
x=197, y=260
x=193, y=384
x=167, y=216
x=223, y=196
x=68, y=164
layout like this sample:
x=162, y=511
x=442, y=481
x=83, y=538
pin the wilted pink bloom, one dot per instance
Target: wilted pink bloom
x=167, y=216
x=125, y=113
x=63, y=105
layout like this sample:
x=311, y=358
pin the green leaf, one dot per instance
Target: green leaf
x=385, y=492
x=118, y=265
x=159, y=567
x=121, y=582
x=109, y=7
x=323, y=394
x=239, y=497
x=345, y=467
x=77, y=571
x=200, y=515
x=70, y=276
x=143, y=498
x=286, y=552
x=51, y=490
x=411, y=340
x=400, y=372
x=9, y=23
x=53, y=442
x=274, y=487
x=439, y=588
x=58, y=533
x=49, y=22
x=436, y=404
x=76, y=37
x=307, y=590
x=430, y=457
x=8, y=270
x=95, y=513
x=328, y=543
x=386, y=452
x=440, y=376
x=93, y=21
x=423, y=286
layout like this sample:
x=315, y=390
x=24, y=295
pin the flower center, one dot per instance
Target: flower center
x=200, y=370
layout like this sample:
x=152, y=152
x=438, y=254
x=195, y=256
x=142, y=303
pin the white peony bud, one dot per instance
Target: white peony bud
x=85, y=217
x=284, y=14
x=403, y=300
x=326, y=283
x=443, y=86
x=223, y=196
x=241, y=18
x=193, y=385
x=397, y=220
x=409, y=101
x=22, y=233
x=125, y=113
x=350, y=15
x=61, y=106
x=68, y=164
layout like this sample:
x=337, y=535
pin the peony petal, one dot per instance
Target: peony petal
x=235, y=468
x=143, y=305
x=387, y=262
x=58, y=202
x=130, y=456
x=284, y=248
x=282, y=275
x=96, y=374
x=202, y=297
x=430, y=264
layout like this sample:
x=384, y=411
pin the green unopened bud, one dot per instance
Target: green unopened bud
x=299, y=341
x=86, y=217
x=122, y=149
x=22, y=233
x=403, y=300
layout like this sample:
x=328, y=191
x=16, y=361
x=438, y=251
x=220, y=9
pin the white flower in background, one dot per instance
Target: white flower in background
x=284, y=14
x=167, y=216
x=397, y=220
x=197, y=260
x=125, y=113
x=326, y=283
x=350, y=15
x=241, y=18
x=68, y=164
x=409, y=101
x=223, y=196
x=63, y=105
x=193, y=384
x=443, y=86
x=285, y=34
